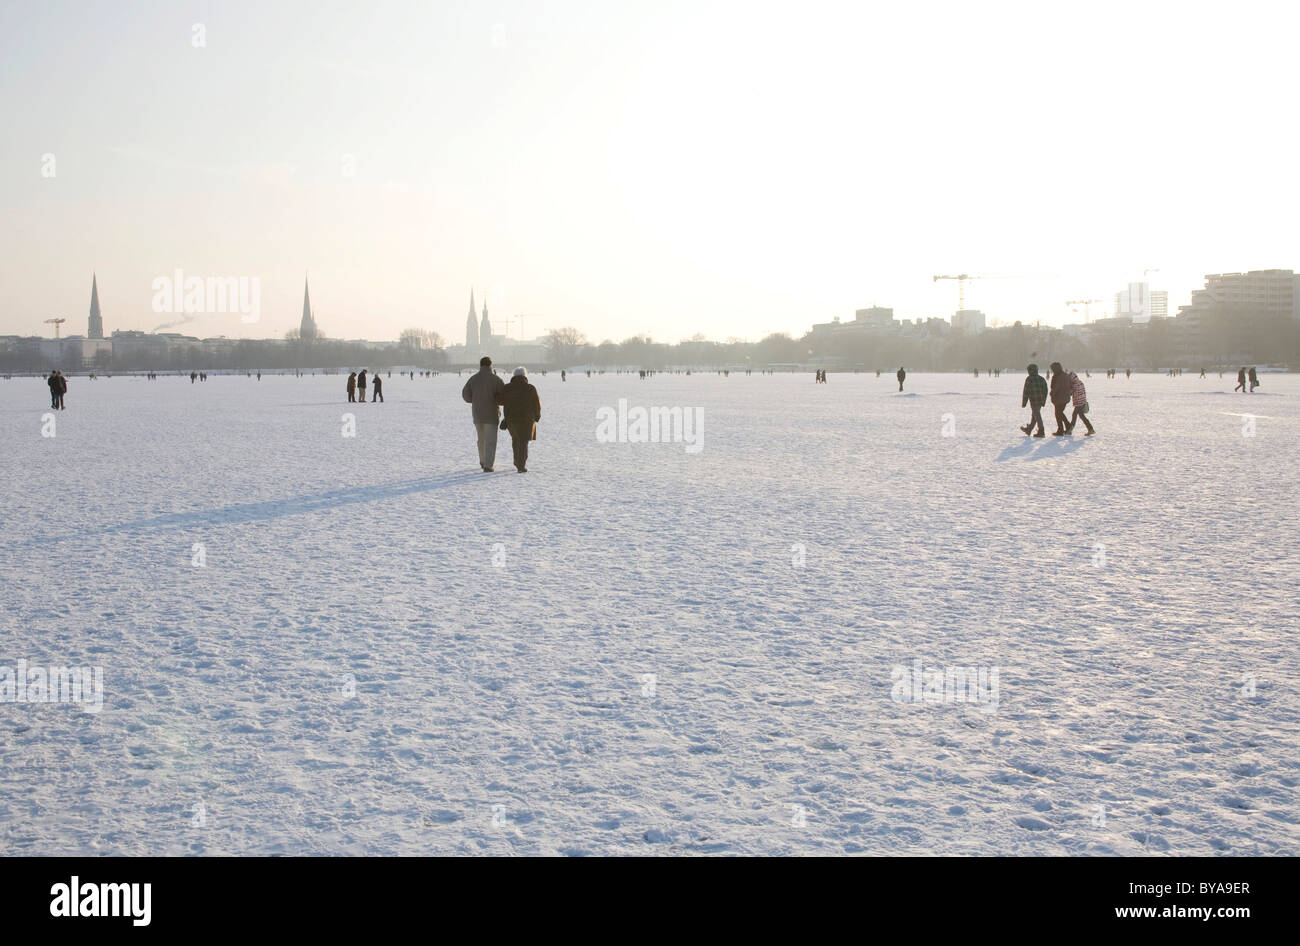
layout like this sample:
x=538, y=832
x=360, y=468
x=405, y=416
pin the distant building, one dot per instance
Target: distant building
x=970, y=321
x=76, y=352
x=307, y=329
x=1140, y=303
x=1260, y=292
x=471, y=325
x=875, y=320
x=877, y=315
x=95, y=328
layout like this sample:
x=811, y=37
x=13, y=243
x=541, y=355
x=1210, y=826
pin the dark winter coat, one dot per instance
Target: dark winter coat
x=53, y=382
x=484, y=391
x=377, y=383
x=1061, y=389
x=361, y=380
x=1035, y=390
x=352, y=384
x=522, y=405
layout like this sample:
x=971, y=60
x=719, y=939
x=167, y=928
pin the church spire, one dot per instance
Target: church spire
x=95, y=328
x=471, y=324
x=307, y=329
x=485, y=328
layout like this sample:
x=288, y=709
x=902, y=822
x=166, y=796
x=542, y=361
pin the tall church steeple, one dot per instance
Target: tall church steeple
x=96, y=327
x=471, y=324
x=485, y=329
x=307, y=329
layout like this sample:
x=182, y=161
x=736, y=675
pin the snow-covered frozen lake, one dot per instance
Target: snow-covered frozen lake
x=313, y=643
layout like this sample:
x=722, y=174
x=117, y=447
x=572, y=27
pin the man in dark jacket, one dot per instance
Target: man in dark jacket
x=1060, y=398
x=352, y=388
x=53, y=382
x=483, y=391
x=1034, y=395
x=901, y=375
x=361, y=386
x=523, y=409
x=62, y=389
x=378, y=384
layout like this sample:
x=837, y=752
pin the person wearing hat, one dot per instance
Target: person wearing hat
x=1035, y=396
x=1060, y=398
x=483, y=391
x=523, y=409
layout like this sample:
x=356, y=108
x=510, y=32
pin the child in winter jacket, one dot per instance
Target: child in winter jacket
x=1080, y=395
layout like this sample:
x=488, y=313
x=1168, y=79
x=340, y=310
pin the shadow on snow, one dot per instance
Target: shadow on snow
x=293, y=505
x=1052, y=447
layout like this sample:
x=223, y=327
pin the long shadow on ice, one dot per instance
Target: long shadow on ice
x=1055, y=447
x=291, y=506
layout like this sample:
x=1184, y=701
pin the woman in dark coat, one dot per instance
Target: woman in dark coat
x=522, y=410
x=1061, y=392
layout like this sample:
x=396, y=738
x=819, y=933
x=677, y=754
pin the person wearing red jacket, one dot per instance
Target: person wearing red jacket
x=1080, y=395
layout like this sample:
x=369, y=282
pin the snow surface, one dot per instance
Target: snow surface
x=351, y=674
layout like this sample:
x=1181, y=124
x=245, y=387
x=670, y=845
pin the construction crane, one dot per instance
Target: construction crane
x=56, y=323
x=1087, y=317
x=961, y=288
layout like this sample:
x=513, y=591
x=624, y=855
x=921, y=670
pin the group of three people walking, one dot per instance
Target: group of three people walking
x=488, y=397
x=1066, y=387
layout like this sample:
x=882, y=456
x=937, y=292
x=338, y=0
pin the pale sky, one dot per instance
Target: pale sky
x=623, y=167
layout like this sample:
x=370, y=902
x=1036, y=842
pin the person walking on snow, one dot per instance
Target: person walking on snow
x=901, y=375
x=522, y=409
x=379, y=388
x=1080, y=395
x=1034, y=395
x=1254, y=379
x=352, y=388
x=361, y=387
x=1241, y=381
x=483, y=391
x=1060, y=398
x=53, y=382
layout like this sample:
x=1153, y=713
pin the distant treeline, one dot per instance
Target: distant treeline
x=1223, y=339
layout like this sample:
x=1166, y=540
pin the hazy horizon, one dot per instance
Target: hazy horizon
x=660, y=169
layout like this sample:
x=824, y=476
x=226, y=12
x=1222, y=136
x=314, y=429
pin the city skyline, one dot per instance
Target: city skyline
x=649, y=170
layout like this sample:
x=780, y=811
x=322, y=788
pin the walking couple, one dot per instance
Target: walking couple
x=488, y=395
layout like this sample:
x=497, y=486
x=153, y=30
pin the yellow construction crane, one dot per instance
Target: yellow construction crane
x=961, y=288
x=964, y=277
x=56, y=323
x=1087, y=316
